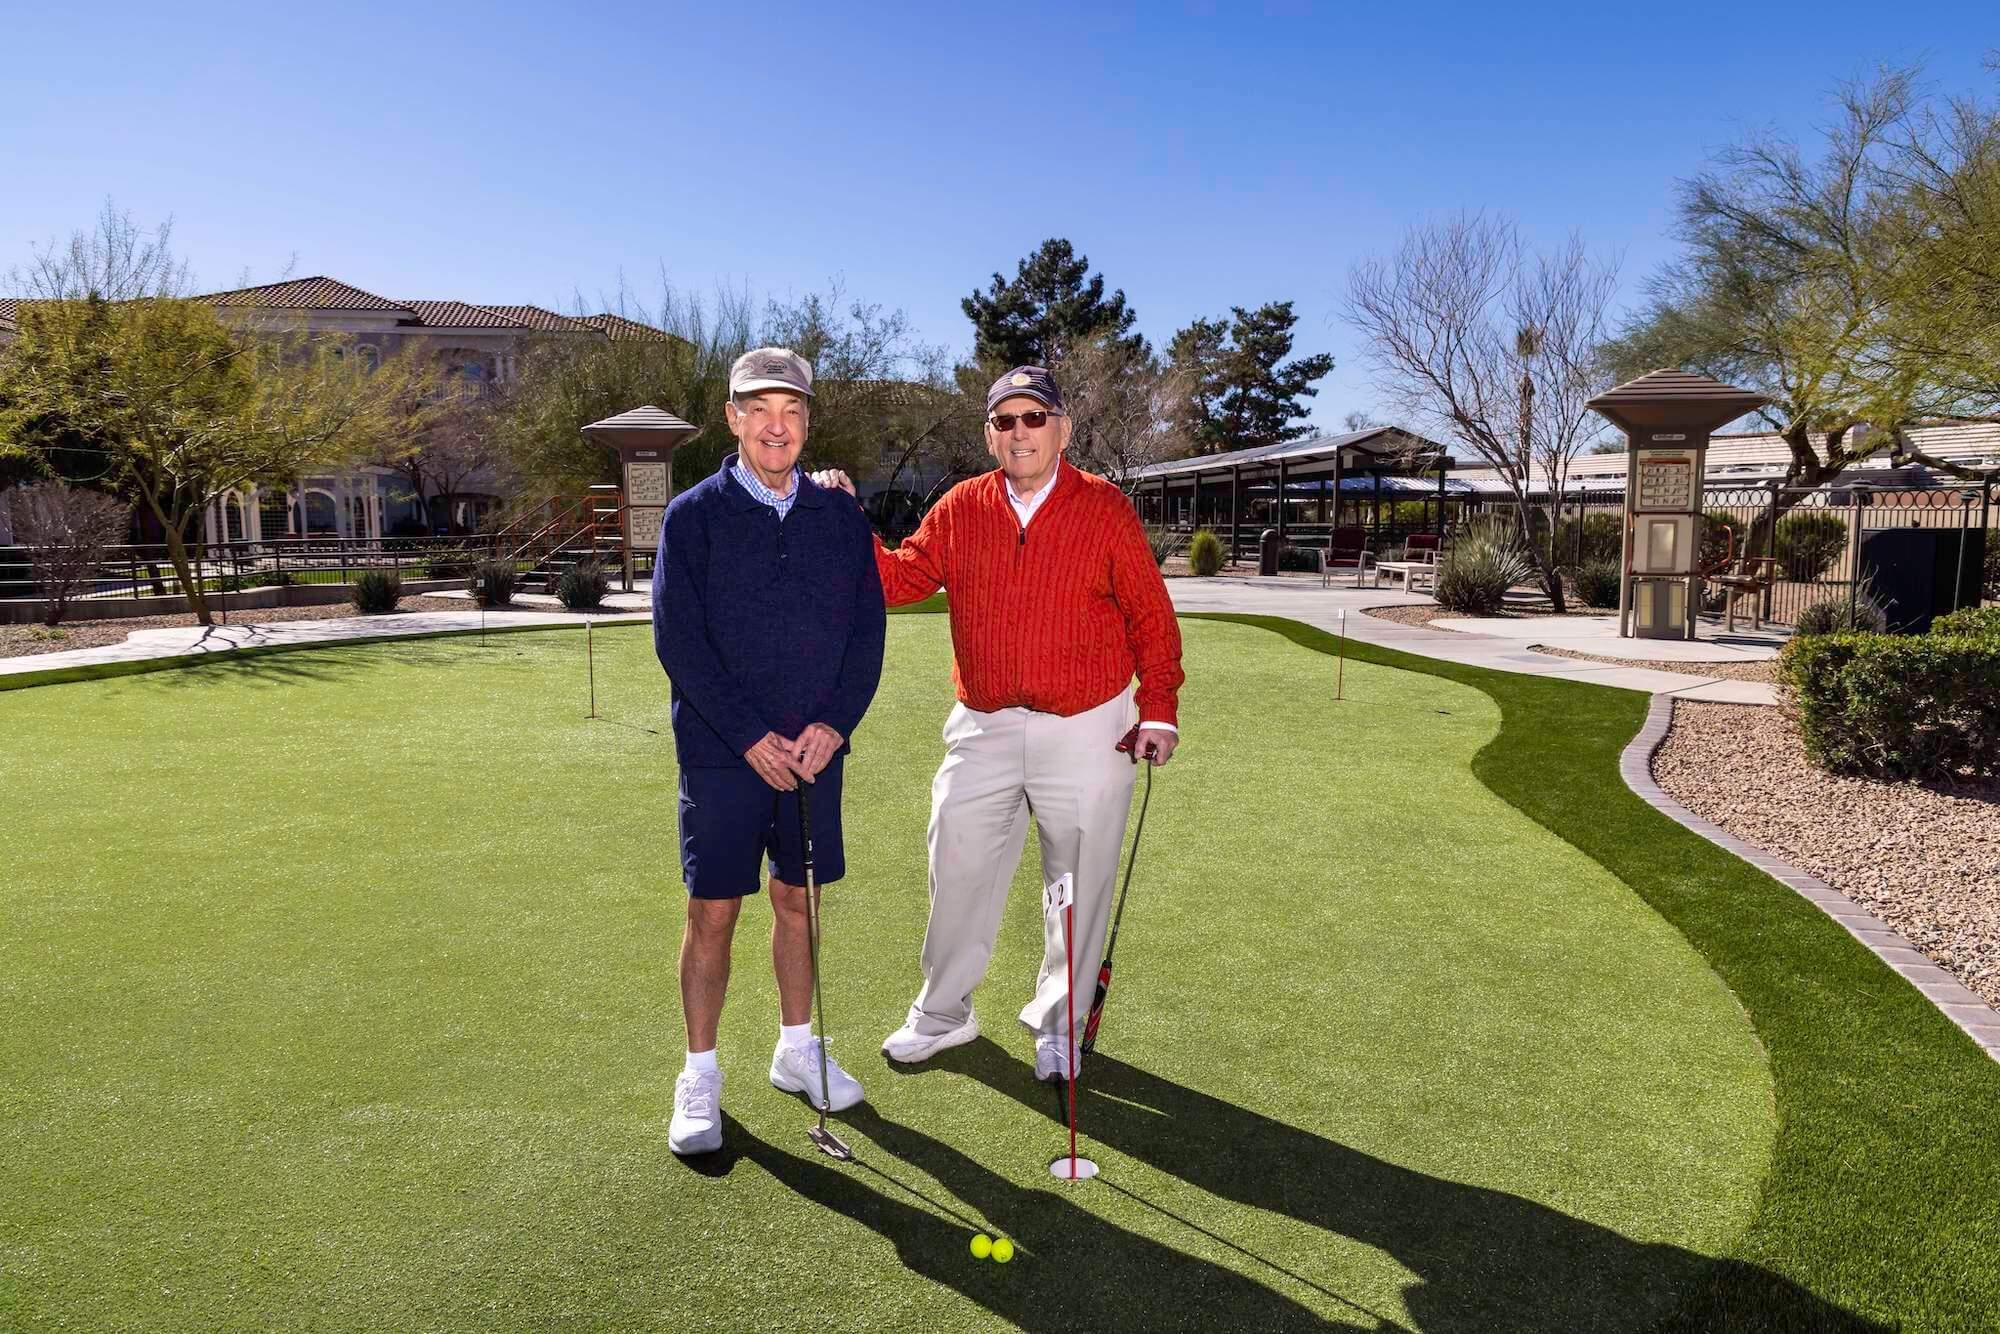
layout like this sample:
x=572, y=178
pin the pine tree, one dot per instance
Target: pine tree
x=1052, y=303
x=1242, y=394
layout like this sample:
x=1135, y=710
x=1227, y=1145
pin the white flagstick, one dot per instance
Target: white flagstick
x=1340, y=672
x=590, y=656
x=1060, y=899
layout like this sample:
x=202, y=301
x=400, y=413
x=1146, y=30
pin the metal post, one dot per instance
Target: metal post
x=1197, y=497
x=1281, y=501
x=1235, y=512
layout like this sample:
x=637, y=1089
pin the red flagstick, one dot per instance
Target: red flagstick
x=1069, y=977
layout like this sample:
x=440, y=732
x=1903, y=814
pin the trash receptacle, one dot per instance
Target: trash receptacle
x=1267, y=552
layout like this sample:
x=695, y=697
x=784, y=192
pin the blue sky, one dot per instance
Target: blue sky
x=1202, y=156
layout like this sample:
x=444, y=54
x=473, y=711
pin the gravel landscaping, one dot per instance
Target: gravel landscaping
x=1423, y=613
x=1728, y=671
x=1926, y=860
x=22, y=640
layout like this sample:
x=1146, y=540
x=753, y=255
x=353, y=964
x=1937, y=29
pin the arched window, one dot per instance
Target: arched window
x=232, y=519
x=371, y=357
x=319, y=513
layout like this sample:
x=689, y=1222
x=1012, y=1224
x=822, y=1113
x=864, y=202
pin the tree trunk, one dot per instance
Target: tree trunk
x=1545, y=569
x=178, y=553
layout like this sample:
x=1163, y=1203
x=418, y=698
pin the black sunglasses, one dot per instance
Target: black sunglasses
x=1034, y=421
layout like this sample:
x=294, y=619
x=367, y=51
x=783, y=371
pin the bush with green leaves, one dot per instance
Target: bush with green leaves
x=1833, y=616
x=447, y=563
x=1991, y=591
x=493, y=583
x=1205, y=553
x=1717, y=527
x=1809, y=542
x=1164, y=542
x=1897, y=706
x=1595, y=537
x=1597, y=583
x=583, y=586
x=1482, y=563
x=377, y=591
x=1300, y=560
x=1977, y=622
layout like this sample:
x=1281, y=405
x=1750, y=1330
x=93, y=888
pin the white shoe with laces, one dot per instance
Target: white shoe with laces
x=796, y=1070
x=909, y=1046
x=697, y=1124
x=1052, y=1060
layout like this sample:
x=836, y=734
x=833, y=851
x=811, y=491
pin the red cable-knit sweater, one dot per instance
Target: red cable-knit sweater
x=1056, y=617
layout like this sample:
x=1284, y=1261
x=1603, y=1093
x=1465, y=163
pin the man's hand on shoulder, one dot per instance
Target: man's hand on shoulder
x=833, y=479
x=772, y=759
x=816, y=746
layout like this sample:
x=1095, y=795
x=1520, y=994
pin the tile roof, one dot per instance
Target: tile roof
x=460, y=315
x=619, y=329
x=304, y=294
x=544, y=321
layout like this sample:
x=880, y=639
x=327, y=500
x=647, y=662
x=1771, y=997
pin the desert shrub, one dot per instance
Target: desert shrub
x=583, y=586
x=1832, y=616
x=1897, y=706
x=1978, y=622
x=1164, y=541
x=377, y=591
x=1483, y=562
x=1809, y=541
x=1205, y=553
x=1597, y=583
x=493, y=584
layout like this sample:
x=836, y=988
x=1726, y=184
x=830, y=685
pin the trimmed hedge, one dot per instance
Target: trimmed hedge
x=1980, y=622
x=1809, y=542
x=1900, y=706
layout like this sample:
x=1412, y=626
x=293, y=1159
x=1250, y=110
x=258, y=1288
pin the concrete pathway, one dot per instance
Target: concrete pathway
x=1599, y=635
x=1304, y=600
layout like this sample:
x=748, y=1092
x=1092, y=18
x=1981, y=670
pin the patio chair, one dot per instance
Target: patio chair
x=1737, y=575
x=1347, y=549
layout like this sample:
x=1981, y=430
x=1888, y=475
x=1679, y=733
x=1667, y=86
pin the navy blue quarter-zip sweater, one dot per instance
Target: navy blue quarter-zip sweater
x=763, y=624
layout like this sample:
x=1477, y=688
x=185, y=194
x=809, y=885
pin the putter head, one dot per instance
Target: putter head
x=829, y=1143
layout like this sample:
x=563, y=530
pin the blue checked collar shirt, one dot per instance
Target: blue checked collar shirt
x=748, y=481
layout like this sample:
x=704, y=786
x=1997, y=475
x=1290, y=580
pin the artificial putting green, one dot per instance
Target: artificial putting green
x=340, y=991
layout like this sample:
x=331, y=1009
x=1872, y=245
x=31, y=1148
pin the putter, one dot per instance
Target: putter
x=827, y=1142
x=1089, y=1043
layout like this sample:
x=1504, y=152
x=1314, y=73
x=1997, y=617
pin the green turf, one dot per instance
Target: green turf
x=1880, y=1209
x=340, y=992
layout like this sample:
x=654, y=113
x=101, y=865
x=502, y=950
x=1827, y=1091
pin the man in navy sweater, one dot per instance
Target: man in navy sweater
x=768, y=617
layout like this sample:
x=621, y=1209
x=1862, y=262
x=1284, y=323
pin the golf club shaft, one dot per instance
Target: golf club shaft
x=812, y=933
x=1117, y=919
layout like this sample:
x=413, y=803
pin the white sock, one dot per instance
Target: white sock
x=700, y=1063
x=794, y=1035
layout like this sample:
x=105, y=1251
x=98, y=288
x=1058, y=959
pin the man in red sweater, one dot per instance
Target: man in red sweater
x=1056, y=602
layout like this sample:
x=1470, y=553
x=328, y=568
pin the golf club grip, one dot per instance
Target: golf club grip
x=1097, y=1006
x=806, y=829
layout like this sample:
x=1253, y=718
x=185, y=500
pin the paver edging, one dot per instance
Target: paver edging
x=1953, y=999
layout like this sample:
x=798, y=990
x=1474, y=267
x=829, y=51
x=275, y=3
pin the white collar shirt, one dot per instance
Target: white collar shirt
x=1024, y=510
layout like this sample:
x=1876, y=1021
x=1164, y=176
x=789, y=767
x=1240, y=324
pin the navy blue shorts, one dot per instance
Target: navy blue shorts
x=731, y=820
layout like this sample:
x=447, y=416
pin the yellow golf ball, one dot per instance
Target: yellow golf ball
x=982, y=1246
x=1003, y=1251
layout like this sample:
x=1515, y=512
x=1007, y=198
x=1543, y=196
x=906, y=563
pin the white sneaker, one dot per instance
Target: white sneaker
x=697, y=1125
x=796, y=1070
x=1052, y=1059
x=909, y=1046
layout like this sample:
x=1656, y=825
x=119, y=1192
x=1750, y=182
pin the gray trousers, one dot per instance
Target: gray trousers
x=1000, y=768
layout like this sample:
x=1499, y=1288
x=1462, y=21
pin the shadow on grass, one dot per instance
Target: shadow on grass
x=1483, y=1259
x=1072, y=1271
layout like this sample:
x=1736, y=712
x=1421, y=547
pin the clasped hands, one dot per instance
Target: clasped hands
x=783, y=761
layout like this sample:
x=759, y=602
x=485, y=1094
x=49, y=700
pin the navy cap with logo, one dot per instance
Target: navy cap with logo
x=1026, y=381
